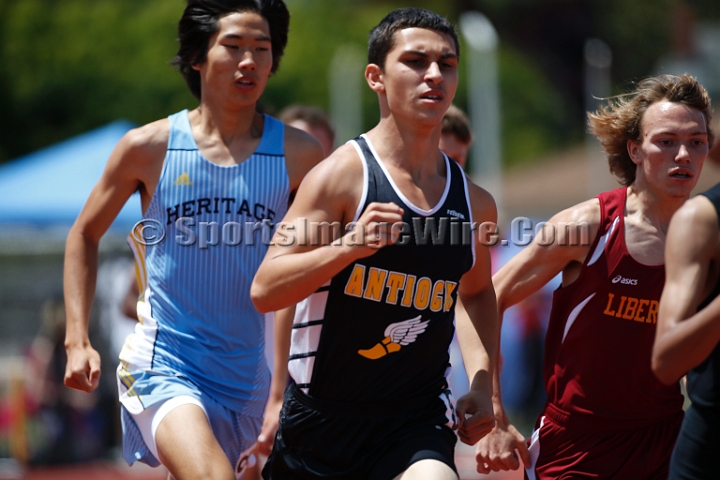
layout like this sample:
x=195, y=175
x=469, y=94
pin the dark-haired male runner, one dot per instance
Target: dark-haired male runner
x=193, y=379
x=374, y=321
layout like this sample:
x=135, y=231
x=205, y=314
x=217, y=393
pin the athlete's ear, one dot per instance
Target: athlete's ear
x=194, y=64
x=374, y=77
x=633, y=149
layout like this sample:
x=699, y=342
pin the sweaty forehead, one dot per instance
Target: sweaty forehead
x=670, y=116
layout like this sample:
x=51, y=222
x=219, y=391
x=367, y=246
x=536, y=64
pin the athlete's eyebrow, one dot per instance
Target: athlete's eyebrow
x=425, y=54
x=673, y=133
x=235, y=36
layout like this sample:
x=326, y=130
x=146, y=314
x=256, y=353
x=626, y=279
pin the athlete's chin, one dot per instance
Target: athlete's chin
x=432, y=115
x=242, y=100
x=681, y=190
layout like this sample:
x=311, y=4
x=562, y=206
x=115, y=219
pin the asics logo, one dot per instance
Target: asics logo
x=624, y=281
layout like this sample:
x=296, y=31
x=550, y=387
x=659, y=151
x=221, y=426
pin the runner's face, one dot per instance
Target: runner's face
x=316, y=131
x=454, y=148
x=420, y=74
x=239, y=59
x=673, y=147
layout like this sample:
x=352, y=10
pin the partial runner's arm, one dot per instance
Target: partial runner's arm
x=281, y=351
x=477, y=306
x=685, y=337
x=134, y=163
x=551, y=252
x=311, y=244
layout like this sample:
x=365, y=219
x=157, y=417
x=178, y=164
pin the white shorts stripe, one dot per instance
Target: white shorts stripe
x=534, y=451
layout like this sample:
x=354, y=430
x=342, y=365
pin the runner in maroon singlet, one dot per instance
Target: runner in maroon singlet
x=607, y=415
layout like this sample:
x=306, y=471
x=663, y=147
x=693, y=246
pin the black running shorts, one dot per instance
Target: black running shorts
x=318, y=439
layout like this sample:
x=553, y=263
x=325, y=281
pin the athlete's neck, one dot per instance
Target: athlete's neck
x=226, y=137
x=229, y=124
x=657, y=209
x=411, y=146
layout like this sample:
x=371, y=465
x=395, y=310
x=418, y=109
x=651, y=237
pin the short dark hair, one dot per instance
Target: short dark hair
x=381, y=39
x=199, y=22
x=619, y=121
x=456, y=123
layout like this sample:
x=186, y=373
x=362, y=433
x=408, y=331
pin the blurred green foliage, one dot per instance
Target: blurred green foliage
x=71, y=65
x=67, y=66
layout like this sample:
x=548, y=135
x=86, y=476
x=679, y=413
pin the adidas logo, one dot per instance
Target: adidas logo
x=183, y=179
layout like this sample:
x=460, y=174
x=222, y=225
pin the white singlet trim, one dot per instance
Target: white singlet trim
x=574, y=314
x=412, y=206
x=363, y=197
x=601, y=243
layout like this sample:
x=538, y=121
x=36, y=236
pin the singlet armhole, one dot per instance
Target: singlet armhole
x=363, y=196
x=163, y=170
x=595, y=252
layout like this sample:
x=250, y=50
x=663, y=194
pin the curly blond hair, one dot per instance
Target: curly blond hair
x=619, y=121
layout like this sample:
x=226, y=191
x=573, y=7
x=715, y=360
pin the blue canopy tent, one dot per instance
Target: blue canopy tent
x=45, y=190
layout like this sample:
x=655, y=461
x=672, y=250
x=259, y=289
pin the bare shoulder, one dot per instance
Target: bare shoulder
x=587, y=212
x=341, y=171
x=335, y=184
x=694, y=228
x=302, y=153
x=696, y=212
x=482, y=203
x=343, y=158
x=146, y=144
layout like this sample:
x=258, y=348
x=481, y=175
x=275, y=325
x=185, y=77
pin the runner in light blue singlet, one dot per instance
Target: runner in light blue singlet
x=192, y=378
x=197, y=319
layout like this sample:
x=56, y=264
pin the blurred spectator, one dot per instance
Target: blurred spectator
x=456, y=137
x=522, y=340
x=63, y=425
x=312, y=120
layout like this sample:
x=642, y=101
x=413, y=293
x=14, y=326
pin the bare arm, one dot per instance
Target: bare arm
x=685, y=337
x=283, y=328
x=476, y=304
x=129, y=166
x=522, y=276
x=550, y=253
x=302, y=258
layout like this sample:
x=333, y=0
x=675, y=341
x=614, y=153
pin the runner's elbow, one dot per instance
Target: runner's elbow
x=260, y=297
x=663, y=368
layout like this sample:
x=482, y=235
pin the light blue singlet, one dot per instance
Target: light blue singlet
x=196, y=317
